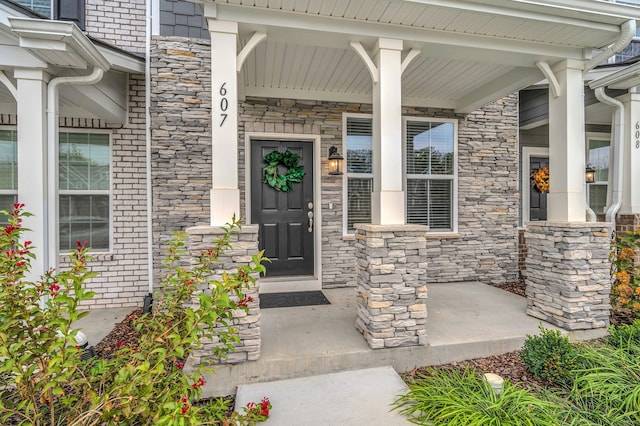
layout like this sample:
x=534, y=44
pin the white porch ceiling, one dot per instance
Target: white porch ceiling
x=472, y=52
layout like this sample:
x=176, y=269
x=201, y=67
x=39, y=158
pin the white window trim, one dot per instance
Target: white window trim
x=56, y=222
x=11, y=191
x=598, y=136
x=453, y=177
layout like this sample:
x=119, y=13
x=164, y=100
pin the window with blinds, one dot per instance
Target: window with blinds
x=430, y=159
x=8, y=171
x=598, y=157
x=359, y=142
x=84, y=190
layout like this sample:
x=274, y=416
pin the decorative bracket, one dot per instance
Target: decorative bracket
x=373, y=70
x=413, y=53
x=254, y=41
x=551, y=78
x=5, y=80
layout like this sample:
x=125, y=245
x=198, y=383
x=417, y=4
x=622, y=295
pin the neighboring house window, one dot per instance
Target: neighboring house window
x=84, y=190
x=63, y=10
x=598, y=157
x=8, y=170
x=430, y=178
x=430, y=147
x=43, y=7
x=359, y=142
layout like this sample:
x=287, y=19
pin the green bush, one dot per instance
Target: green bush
x=42, y=378
x=549, y=356
x=451, y=398
x=624, y=335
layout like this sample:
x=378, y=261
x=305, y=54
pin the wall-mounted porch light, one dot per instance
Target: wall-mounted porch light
x=590, y=174
x=335, y=161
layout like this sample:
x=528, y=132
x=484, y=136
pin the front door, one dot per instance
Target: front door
x=537, y=199
x=286, y=218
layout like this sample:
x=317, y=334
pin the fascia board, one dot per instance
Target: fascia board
x=625, y=78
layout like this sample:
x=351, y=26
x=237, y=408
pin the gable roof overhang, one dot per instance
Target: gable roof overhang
x=61, y=49
x=471, y=52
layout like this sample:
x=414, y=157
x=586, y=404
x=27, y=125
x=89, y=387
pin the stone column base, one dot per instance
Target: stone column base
x=391, y=275
x=568, y=273
x=244, y=244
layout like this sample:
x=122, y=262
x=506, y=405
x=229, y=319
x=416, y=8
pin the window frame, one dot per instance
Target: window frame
x=589, y=136
x=452, y=177
x=13, y=192
x=109, y=192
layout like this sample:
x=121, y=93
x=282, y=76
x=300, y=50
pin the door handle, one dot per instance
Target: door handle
x=310, y=215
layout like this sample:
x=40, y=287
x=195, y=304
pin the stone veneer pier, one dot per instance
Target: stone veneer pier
x=391, y=280
x=568, y=273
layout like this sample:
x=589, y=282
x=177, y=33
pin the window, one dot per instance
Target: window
x=598, y=158
x=8, y=170
x=430, y=165
x=359, y=142
x=43, y=7
x=84, y=190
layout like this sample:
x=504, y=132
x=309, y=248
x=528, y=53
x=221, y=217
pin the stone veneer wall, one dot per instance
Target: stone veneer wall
x=244, y=244
x=568, y=273
x=392, y=268
x=123, y=274
x=486, y=244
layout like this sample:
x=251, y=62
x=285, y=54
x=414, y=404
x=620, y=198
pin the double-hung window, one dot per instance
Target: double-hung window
x=8, y=170
x=84, y=190
x=598, y=157
x=359, y=143
x=430, y=158
x=430, y=150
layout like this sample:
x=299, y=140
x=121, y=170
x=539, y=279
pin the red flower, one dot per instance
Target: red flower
x=179, y=365
x=119, y=344
x=18, y=206
x=264, y=407
x=54, y=288
x=27, y=244
x=200, y=383
x=184, y=409
x=245, y=302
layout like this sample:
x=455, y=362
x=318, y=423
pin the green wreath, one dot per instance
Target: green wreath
x=277, y=181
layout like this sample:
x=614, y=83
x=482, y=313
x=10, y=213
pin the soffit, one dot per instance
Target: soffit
x=472, y=52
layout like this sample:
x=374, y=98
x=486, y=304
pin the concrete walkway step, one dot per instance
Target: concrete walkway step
x=354, y=398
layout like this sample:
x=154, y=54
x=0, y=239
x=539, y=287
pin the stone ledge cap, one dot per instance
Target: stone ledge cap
x=570, y=225
x=391, y=228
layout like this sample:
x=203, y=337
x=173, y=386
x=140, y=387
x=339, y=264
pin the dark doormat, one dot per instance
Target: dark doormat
x=296, y=298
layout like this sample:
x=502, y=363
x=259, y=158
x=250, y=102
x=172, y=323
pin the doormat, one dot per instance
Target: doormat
x=296, y=298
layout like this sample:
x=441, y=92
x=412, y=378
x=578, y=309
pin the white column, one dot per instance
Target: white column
x=32, y=161
x=225, y=193
x=567, y=194
x=388, y=203
x=631, y=153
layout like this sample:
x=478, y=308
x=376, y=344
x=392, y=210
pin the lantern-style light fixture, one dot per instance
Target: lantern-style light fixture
x=335, y=161
x=590, y=174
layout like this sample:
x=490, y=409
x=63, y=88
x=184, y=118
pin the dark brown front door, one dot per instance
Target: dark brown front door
x=286, y=228
x=537, y=200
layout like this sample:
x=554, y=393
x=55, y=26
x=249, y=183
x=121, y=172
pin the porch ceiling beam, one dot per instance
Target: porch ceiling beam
x=355, y=30
x=97, y=102
x=503, y=85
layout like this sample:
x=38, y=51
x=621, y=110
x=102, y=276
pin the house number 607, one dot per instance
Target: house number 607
x=637, y=135
x=224, y=103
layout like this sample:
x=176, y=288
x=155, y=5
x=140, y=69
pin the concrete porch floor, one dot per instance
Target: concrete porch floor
x=466, y=320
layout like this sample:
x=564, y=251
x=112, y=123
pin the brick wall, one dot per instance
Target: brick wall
x=118, y=22
x=123, y=277
x=486, y=245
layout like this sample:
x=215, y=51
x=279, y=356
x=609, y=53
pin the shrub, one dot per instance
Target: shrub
x=42, y=377
x=625, y=290
x=451, y=397
x=549, y=356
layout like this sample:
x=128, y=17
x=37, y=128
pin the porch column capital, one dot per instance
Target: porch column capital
x=388, y=202
x=631, y=154
x=225, y=193
x=567, y=194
